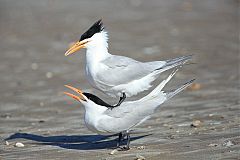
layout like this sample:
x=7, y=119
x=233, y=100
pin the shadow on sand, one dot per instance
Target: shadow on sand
x=81, y=142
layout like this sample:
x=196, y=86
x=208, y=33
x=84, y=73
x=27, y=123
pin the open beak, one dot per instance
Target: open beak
x=78, y=98
x=76, y=46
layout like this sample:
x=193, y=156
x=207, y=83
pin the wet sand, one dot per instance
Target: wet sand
x=33, y=110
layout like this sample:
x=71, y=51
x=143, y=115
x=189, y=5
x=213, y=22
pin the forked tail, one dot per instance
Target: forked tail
x=158, y=90
x=176, y=91
x=171, y=63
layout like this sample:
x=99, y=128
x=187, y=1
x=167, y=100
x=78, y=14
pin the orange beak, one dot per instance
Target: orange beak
x=78, y=98
x=76, y=46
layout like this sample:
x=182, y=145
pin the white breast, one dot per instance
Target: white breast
x=90, y=75
x=93, y=114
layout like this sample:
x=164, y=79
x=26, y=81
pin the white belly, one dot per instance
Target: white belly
x=130, y=89
x=106, y=89
x=92, y=122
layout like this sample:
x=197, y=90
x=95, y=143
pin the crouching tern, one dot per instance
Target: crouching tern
x=114, y=75
x=105, y=119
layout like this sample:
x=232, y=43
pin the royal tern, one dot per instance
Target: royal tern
x=118, y=75
x=101, y=118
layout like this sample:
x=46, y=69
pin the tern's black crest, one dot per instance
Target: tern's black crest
x=97, y=100
x=95, y=28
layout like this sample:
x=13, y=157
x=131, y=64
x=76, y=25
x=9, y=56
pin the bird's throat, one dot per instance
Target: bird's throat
x=96, y=54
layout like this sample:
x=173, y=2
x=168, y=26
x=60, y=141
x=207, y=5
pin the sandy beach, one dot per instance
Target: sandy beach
x=202, y=122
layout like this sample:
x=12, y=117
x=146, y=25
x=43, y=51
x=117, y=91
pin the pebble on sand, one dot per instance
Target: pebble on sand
x=34, y=66
x=113, y=152
x=210, y=115
x=171, y=137
x=49, y=74
x=41, y=104
x=228, y=143
x=19, y=144
x=141, y=147
x=139, y=157
x=196, y=123
x=213, y=145
x=6, y=143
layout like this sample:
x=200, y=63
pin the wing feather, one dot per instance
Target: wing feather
x=122, y=70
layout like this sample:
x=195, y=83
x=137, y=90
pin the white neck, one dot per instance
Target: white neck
x=97, y=48
x=92, y=108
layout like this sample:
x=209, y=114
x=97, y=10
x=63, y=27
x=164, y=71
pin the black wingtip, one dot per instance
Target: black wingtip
x=95, y=28
x=191, y=81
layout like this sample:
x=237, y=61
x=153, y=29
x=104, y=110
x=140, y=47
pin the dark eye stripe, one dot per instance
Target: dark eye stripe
x=95, y=28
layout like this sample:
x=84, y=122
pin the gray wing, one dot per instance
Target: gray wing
x=147, y=105
x=122, y=70
x=128, y=115
x=141, y=108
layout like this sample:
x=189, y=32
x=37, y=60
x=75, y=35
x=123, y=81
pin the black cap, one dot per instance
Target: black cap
x=95, y=28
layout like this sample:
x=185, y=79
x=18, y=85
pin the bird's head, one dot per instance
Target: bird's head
x=95, y=36
x=87, y=99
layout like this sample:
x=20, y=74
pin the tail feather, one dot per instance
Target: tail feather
x=171, y=63
x=159, y=88
x=173, y=93
x=164, y=82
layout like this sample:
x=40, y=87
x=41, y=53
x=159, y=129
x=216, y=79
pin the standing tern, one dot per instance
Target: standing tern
x=118, y=75
x=105, y=119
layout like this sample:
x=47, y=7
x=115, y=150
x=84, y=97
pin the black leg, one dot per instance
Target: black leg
x=121, y=100
x=125, y=148
x=128, y=141
x=119, y=139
